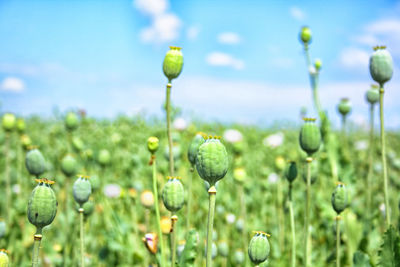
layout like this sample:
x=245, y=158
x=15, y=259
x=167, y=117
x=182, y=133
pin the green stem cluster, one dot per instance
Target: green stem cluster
x=160, y=234
x=174, y=229
x=7, y=176
x=292, y=226
x=211, y=210
x=82, y=237
x=189, y=201
x=168, y=108
x=338, y=241
x=370, y=157
x=307, y=213
x=37, y=238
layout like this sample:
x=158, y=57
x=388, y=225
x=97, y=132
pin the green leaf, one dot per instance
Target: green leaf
x=389, y=254
x=189, y=253
x=361, y=259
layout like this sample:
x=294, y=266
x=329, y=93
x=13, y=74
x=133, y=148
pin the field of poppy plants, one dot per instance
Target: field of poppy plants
x=81, y=191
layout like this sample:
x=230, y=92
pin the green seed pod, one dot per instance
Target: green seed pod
x=82, y=189
x=310, y=136
x=34, y=162
x=152, y=144
x=176, y=152
x=8, y=122
x=381, y=65
x=95, y=182
x=372, y=95
x=340, y=198
x=69, y=165
x=344, y=106
x=42, y=205
x=71, y=121
x=173, y=63
x=305, y=35
x=259, y=248
x=212, y=161
x=318, y=64
x=21, y=125
x=25, y=141
x=239, y=174
x=291, y=171
x=223, y=249
x=173, y=194
x=239, y=257
x=197, y=141
x=4, y=261
x=77, y=143
x=214, y=251
x=88, y=208
x=3, y=228
x=104, y=157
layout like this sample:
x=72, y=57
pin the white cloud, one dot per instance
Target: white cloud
x=283, y=62
x=354, y=58
x=164, y=28
x=192, y=32
x=12, y=84
x=224, y=60
x=297, y=13
x=230, y=38
x=385, y=26
x=151, y=7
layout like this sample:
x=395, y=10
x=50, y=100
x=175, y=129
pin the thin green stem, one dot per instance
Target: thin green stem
x=7, y=176
x=189, y=201
x=168, y=107
x=243, y=215
x=292, y=226
x=174, y=229
x=82, y=237
x=370, y=157
x=160, y=234
x=383, y=145
x=337, y=241
x=211, y=210
x=36, y=247
x=307, y=213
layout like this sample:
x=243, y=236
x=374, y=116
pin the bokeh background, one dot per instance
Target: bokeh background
x=243, y=60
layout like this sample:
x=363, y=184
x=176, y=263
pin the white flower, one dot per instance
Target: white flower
x=274, y=140
x=312, y=70
x=180, y=124
x=233, y=136
x=361, y=145
x=16, y=189
x=112, y=190
x=273, y=178
x=230, y=218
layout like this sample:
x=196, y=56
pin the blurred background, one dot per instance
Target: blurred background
x=243, y=60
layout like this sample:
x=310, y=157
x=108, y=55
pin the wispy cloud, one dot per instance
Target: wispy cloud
x=224, y=60
x=356, y=58
x=230, y=38
x=297, y=13
x=12, y=84
x=192, y=32
x=165, y=26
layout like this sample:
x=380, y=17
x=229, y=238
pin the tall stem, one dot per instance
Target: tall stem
x=370, y=157
x=82, y=237
x=383, y=145
x=36, y=247
x=174, y=227
x=337, y=241
x=189, y=201
x=7, y=176
x=168, y=104
x=292, y=226
x=307, y=215
x=243, y=215
x=155, y=192
x=211, y=210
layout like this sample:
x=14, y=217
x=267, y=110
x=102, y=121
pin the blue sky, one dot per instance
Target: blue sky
x=243, y=60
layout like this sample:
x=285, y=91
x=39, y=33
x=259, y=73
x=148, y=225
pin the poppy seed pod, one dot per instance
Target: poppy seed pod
x=152, y=144
x=21, y=125
x=25, y=141
x=372, y=95
x=8, y=122
x=69, y=165
x=212, y=160
x=173, y=194
x=381, y=65
x=71, y=121
x=259, y=248
x=318, y=64
x=88, y=208
x=223, y=248
x=42, y=205
x=173, y=63
x=197, y=141
x=104, y=157
x=147, y=199
x=239, y=174
x=305, y=35
x=34, y=162
x=344, y=106
x=291, y=171
x=310, y=136
x=340, y=198
x=4, y=260
x=82, y=189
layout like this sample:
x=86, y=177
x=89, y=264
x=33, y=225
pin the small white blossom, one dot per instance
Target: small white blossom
x=230, y=218
x=180, y=124
x=112, y=190
x=273, y=178
x=233, y=136
x=273, y=140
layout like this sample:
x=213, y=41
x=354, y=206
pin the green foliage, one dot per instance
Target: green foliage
x=389, y=254
x=361, y=259
x=189, y=253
